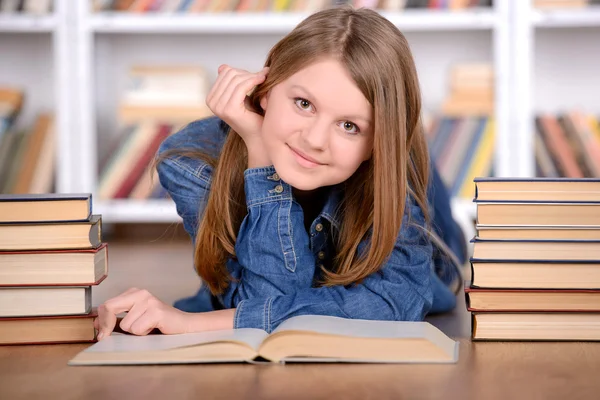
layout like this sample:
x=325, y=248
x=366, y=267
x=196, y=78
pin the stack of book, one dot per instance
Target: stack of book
x=536, y=260
x=51, y=254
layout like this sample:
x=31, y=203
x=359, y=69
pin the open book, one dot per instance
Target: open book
x=307, y=338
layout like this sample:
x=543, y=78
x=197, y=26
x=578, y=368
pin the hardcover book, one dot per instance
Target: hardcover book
x=54, y=267
x=51, y=235
x=537, y=189
x=45, y=207
x=48, y=330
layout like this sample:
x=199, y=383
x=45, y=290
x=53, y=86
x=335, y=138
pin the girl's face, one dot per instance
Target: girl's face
x=318, y=126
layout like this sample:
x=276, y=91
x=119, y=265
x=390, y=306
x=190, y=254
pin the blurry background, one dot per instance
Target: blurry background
x=88, y=89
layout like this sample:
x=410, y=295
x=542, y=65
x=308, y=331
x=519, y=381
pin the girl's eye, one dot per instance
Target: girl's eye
x=350, y=127
x=302, y=103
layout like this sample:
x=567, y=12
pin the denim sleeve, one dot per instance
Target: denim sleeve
x=186, y=179
x=401, y=290
x=272, y=247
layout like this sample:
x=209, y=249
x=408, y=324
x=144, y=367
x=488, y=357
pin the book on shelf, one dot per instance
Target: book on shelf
x=147, y=117
x=462, y=148
x=34, y=7
x=537, y=189
x=494, y=249
x=54, y=267
x=471, y=90
x=124, y=170
x=567, y=144
x=27, y=301
x=546, y=326
x=53, y=207
x=51, y=235
x=535, y=274
x=216, y=6
x=555, y=300
x=48, y=329
x=164, y=93
x=307, y=338
x=37, y=147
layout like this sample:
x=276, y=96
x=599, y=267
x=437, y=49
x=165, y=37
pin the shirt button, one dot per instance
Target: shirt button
x=319, y=227
x=275, y=176
x=321, y=255
x=278, y=189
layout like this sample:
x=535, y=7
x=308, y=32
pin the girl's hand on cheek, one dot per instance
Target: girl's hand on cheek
x=144, y=313
x=227, y=100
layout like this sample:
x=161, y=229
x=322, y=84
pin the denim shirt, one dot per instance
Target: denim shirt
x=278, y=263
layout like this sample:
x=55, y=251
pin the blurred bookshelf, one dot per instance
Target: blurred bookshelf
x=231, y=22
x=101, y=46
x=37, y=68
x=556, y=62
x=112, y=41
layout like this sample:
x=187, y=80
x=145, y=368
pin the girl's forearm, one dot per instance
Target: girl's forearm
x=211, y=321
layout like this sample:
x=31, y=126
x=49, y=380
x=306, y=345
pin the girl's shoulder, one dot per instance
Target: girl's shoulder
x=205, y=135
x=189, y=146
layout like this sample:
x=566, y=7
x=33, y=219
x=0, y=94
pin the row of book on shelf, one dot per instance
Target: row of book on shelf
x=51, y=255
x=159, y=100
x=32, y=7
x=566, y=145
x=197, y=6
x=535, y=269
x=27, y=156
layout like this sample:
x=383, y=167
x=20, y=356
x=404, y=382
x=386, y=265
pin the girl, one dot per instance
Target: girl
x=312, y=197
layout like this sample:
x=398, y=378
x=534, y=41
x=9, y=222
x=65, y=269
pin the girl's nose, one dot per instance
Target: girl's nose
x=316, y=135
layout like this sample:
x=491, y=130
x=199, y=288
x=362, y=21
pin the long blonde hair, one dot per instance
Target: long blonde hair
x=380, y=62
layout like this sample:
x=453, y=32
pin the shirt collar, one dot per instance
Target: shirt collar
x=330, y=209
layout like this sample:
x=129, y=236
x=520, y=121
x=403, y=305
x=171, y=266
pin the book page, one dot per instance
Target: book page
x=337, y=339
x=362, y=328
x=122, y=343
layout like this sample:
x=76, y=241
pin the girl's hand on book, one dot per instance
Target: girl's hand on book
x=227, y=99
x=144, y=313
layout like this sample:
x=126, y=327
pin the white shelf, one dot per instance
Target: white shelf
x=116, y=211
x=565, y=18
x=27, y=23
x=236, y=23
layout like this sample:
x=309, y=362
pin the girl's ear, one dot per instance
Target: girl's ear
x=263, y=101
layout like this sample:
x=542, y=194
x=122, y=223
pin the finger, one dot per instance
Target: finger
x=215, y=85
x=107, y=312
x=226, y=74
x=245, y=88
x=145, y=323
x=225, y=100
x=96, y=323
x=224, y=83
x=132, y=315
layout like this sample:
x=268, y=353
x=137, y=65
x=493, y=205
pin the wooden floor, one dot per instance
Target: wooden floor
x=485, y=370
